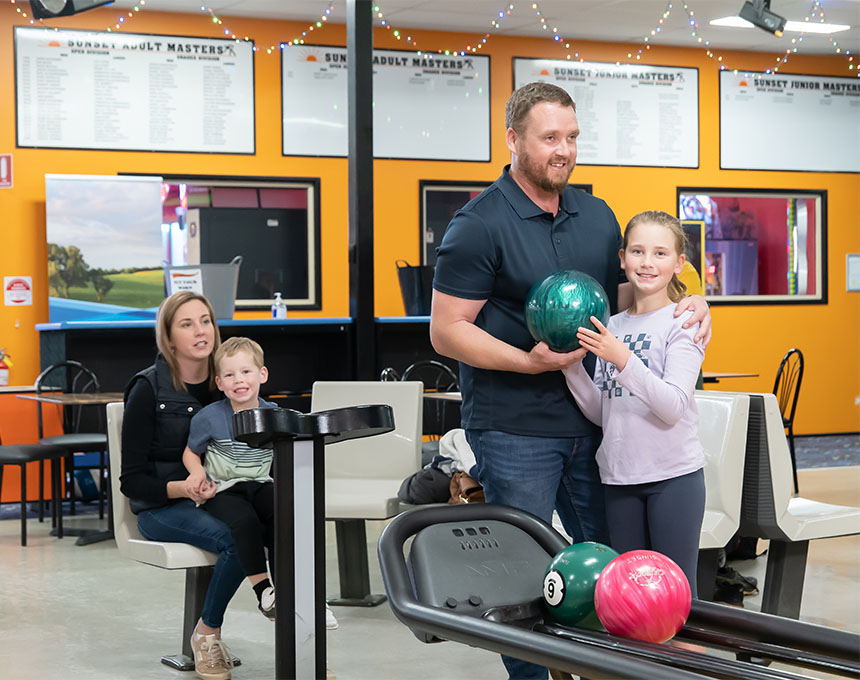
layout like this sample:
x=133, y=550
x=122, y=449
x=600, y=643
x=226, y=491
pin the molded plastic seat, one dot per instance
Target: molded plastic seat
x=164, y=555
x=128, y=539
x=363, y=475
x=769, y=510
x=372, y=499
x=723, y=432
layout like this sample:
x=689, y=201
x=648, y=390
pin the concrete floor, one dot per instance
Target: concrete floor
x=85, y=612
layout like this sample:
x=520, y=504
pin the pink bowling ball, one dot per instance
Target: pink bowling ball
x=642, y=595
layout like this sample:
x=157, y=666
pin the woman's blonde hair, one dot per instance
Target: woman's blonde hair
x=164, y=320
x=676, y=288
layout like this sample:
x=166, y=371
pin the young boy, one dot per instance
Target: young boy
x=235, y=478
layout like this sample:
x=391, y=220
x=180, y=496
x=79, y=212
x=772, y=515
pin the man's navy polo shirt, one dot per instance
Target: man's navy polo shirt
x=495, y=249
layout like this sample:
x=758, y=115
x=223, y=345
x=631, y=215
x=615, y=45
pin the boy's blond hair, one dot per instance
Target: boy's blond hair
x=232, y=346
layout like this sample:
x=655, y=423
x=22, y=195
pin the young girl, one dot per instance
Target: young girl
x=651, y=460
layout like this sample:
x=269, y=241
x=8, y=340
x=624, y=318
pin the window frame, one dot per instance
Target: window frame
x=820, y=297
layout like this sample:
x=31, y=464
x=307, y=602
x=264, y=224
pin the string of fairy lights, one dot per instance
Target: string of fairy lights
x=816, y=13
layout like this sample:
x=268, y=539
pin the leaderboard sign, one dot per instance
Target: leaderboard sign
x=133, y=92
x=789, y=122
x=629, y=114
x=425, y=106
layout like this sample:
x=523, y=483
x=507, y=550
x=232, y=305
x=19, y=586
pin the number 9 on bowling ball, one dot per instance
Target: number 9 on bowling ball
x=569, y=581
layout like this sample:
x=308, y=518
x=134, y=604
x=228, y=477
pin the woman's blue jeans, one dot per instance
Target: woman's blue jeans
x=539, y=474
x=184, y=522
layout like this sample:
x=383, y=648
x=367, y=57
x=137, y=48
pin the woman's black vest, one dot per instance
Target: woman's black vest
x=173, y=411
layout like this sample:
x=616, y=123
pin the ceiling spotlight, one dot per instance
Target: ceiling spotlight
x=758, y=13
x=48, y=9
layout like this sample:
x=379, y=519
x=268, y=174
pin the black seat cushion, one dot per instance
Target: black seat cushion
x=16, y=454
x=78, y=442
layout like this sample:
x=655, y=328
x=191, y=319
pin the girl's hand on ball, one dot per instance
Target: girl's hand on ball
x=603, y=344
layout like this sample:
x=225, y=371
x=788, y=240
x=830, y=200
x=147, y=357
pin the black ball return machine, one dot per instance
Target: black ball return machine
x=474, y=575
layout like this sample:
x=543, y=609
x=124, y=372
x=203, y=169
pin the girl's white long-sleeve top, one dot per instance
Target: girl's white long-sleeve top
x=647, y=411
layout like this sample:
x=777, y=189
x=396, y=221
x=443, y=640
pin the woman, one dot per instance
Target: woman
x=159, y=404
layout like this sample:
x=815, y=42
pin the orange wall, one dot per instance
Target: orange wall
x=747, y=339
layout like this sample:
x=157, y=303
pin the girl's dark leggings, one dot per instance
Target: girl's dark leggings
x=664, y=516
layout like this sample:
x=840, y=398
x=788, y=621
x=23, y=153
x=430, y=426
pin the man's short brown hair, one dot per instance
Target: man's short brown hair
x=232, y=346
x=525, y=98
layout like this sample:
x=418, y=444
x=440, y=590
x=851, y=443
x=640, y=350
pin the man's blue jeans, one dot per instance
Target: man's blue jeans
x=539, y=474
x=183, y=522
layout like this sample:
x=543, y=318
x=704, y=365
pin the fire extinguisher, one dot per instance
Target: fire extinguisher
x=5, y=365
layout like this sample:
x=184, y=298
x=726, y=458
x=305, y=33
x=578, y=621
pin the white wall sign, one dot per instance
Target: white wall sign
x=852, y=272
x=789, y=122
x=133, y=92
x=17, y=291
x=187, y=279
x=6, y=171
x=630, y=114
x=425, y=106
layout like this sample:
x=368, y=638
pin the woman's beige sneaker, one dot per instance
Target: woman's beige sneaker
x=212, y=659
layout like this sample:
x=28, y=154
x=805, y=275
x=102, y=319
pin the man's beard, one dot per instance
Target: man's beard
x=539, y=175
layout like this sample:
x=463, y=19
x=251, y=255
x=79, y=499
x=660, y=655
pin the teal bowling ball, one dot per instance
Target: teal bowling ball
x=569, y=581
x=557, y=306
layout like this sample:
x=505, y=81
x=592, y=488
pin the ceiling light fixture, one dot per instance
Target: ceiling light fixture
x=758, y=13
x=48, y=9
x=790, y=26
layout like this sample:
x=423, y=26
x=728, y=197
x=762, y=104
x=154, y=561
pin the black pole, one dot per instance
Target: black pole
x=298, y=442
x=285, y=575
x=359, y=44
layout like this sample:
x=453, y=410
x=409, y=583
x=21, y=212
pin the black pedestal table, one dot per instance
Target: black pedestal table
x=299, y=441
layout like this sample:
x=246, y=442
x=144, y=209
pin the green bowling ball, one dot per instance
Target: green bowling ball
x=569, y=581
x=557, y=306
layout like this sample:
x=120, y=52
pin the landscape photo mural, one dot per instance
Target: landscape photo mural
x=105, y=249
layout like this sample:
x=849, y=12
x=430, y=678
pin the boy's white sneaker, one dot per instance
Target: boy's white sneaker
x=330, y=622
x=267, y=603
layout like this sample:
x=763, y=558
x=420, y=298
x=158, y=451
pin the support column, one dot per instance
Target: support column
x=359, y=42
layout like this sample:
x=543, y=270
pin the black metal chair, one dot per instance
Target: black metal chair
x=437, y=377
x=84, y=429
x=786, y=387
x=21, y=455
x=389, y=375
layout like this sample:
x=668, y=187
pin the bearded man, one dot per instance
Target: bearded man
x=534, y=448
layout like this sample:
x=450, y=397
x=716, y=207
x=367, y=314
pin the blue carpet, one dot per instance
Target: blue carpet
x=82, y=508
x=835, y=450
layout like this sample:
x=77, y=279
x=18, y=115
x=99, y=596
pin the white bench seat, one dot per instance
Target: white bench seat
x=363, y=476
x=722, y=431
x=769, y=510
x=805, y=519
x=371, y=499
